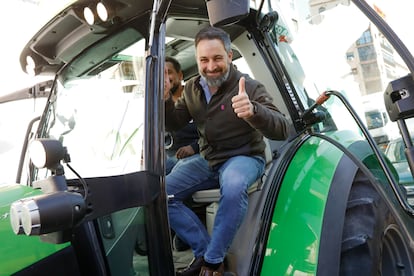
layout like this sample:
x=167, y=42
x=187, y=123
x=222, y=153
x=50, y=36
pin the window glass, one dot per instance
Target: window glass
x=335, y=47
x=365, y=38
x=370, y=69
x=366, y=53
x=100, y=119
x=15, y=118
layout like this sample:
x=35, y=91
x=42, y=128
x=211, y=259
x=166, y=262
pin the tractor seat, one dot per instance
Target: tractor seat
x=213, y=195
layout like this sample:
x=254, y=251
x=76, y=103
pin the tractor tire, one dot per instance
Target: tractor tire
x=372, y=241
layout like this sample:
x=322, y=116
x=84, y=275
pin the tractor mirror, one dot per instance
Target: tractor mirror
x=223, y=13
x=399, y=98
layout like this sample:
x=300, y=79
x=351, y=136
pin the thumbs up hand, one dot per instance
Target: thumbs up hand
x=241, y=102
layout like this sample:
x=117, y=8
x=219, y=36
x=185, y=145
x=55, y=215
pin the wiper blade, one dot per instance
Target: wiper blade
x=39, y=90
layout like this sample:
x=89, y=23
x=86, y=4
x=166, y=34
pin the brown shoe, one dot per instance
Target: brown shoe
x=193, y=269
x=206, y=271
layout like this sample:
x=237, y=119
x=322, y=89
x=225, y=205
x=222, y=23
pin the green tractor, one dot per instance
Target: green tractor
x=89, y=197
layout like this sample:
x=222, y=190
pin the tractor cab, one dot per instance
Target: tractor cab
x=90, y=195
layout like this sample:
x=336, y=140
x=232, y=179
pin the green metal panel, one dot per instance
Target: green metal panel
x=294, y=236
x=18, y=252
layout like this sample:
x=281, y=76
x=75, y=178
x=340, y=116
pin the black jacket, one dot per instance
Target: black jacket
x=187, y=135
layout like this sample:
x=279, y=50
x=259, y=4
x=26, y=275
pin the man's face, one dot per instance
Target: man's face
x=174, y=76
x=213, y=61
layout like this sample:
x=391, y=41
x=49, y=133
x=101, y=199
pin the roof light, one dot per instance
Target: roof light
x=30, y=66
x=102, y=11
x=88, y=15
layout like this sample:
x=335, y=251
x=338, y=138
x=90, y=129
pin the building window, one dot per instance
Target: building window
x=350, y=56
x=390, y=71
x=385, y=44
x=370, y=70
x=367, y=53
x=365, y=38
x=373, y=86
x=388, y=57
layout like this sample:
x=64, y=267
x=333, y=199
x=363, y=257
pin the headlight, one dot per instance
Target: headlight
x=47, y=153
x=47, y=213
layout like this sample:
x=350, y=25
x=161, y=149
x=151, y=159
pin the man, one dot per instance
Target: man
x=183, y=142
x=232, y=113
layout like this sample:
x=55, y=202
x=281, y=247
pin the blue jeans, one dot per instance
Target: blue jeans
x=233, y=177
x=170, y=162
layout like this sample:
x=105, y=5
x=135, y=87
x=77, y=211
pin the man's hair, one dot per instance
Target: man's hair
x=211, y=33
x=175, y=63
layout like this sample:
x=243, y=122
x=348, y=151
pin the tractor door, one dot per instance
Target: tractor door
x=103, y=111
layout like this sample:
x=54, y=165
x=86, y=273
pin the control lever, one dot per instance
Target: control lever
x=309, y=117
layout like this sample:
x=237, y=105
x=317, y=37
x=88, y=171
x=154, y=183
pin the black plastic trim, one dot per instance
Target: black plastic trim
x=113, y=193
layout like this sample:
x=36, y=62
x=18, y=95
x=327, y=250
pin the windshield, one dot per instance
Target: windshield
x=351, y=56
x=375, y=119
x=100, y=119
x=331, y=45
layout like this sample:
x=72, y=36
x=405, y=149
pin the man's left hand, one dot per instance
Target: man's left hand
x=184, y=152
x=241, y=102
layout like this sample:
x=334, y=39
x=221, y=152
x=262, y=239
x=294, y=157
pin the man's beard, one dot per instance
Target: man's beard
x=216, y=81
x=174, y=89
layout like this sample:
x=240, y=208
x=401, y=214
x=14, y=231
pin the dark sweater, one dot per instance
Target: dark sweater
x=187, y=135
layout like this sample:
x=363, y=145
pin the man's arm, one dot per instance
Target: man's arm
x=257, y=108
x=175, y=119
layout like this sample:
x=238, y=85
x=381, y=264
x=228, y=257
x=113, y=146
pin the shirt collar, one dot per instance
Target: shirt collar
x=206, y=90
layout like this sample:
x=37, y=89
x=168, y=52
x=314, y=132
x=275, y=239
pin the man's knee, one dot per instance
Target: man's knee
x=234, y=190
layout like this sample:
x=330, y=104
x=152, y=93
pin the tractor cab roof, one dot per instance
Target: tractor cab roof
x=68, y=36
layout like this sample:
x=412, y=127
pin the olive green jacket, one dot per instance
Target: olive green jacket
x=222, y=133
